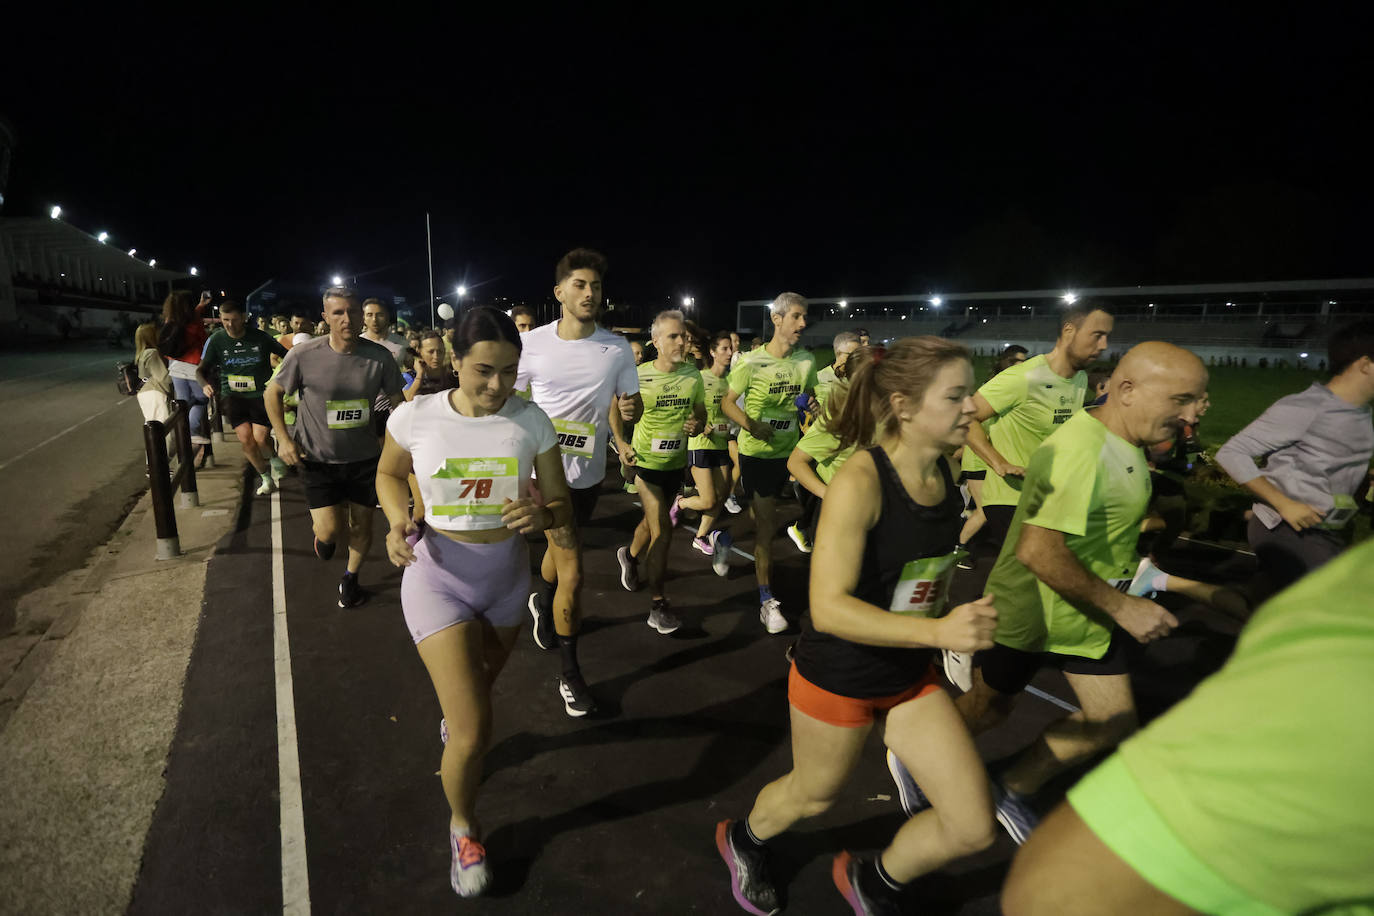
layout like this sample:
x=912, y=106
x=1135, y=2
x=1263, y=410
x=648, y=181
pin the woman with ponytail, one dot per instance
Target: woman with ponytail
x=885, y=553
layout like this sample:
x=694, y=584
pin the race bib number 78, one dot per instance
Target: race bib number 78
x=474, y=486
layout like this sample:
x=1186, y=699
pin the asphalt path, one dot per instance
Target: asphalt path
x=71, y=462
x=614, y=813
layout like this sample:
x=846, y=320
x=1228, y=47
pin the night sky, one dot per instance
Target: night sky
x=711, y=152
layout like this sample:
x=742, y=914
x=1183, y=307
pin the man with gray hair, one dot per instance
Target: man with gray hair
x=845, y=343
x=772, y=380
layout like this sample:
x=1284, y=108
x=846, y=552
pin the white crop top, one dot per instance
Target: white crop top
x=467, y=467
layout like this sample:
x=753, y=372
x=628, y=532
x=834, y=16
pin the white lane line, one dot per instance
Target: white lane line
x=21, y=378
x=1051, y=698
x=51, y=439
x=295, y=878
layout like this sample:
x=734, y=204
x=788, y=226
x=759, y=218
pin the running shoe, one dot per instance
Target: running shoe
x=265, y=486
x=750, y=880
x=577, y=699
x=959, y=669
x=629, y=570
x=965, y=557
x=865, y=898
x=443, y=731
x=544, y=635
x=662, y=618
x=913, y=800
x=278, y=468
x=1013, y=812
x=631, y=488
x=351, y=594
x=770, y=613
x=732, y=505
x=1143, y=583
x=468, y=872
x=704, y=546
x=721, y=542
x=674, y=511
x=799, y=538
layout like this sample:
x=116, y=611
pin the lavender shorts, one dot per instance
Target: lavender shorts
x=452, y=582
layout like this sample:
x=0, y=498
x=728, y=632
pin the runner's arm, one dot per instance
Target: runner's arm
x=982, y=446
x=622, y=445
x=276, y=413
x=393, y=492
x=208, y=360
x=799, y=466
x=737, y=416
x=553, y=486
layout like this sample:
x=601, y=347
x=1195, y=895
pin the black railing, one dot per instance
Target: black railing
x=163, y=482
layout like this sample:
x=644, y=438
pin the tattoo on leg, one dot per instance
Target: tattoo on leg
x=564, y=537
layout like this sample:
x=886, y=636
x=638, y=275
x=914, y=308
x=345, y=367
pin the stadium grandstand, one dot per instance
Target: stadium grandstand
x=1287, y=320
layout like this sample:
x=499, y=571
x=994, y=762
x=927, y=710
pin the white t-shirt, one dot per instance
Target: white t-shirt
x=574, y=381
x=467, y=467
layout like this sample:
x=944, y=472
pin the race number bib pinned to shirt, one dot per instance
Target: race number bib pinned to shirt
x=1343, y=509
x=782, y=419
x=923, y=589
x=575, y=438
x=666, y=446
x=347, y=414
x=474, y=486
x=239, y=383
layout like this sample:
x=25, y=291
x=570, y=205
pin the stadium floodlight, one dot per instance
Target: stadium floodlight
x=103, y=237
x=195, y=271
x=338, y=280
x=462, y=291
x=936, y=301
x=844, y=304
x=1070, y=298
x=687, y=302
x=153, y=262
x=55, y=212
x=132, y=252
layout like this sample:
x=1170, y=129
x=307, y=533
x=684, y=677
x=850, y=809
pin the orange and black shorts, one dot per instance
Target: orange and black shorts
x=850, y=712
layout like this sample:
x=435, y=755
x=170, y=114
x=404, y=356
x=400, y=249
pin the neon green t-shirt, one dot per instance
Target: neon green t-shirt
x=824, y=446
x=1030, y=399
x=770, y=387
x=1094, y=486
x=716, y=436
x=658, y=441
x=969, y=461
x=825, y=381
x=1256, y=793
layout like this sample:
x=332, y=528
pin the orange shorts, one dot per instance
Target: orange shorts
x=850, y=712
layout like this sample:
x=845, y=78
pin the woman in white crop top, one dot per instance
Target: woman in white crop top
x=463, y=593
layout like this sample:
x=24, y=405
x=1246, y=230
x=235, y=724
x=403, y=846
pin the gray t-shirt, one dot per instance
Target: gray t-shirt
x=1317, y=448
x=337, y=391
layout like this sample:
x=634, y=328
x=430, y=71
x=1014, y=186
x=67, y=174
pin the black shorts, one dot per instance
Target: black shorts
x=584, y=503
x=709, y=458
x=245, y=410
x=379, y=418
x=1009, y=670
x=998, y=524
x=335, y=484
x=669, y=482
x=763, y=477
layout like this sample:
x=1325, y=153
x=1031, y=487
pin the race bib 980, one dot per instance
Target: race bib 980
x=347, y=414
x=576, y=438
x=782, y=419
x=474, y=486
x=923, y=589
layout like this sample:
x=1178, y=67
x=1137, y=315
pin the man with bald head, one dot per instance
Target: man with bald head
x=1062, y=576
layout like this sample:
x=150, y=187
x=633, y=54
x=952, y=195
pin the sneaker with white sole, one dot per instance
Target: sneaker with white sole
x=732, y=506
x=959, y=669
x=913, y=800
x=770, y=614
x=468, y=872
x=721, y=541
x=265, y=486
x=1014, y=813
x=577, y=699
x=629, y=570
x=674, y=511
x=1145, y=576
x=703, y=546
x=543, y=631
x=799, y=538
x=662, y=618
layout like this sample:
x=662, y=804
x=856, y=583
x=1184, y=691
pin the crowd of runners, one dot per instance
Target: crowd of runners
x=482, y=441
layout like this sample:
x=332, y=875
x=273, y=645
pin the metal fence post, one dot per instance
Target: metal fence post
x=190, y=496
x=160, y=483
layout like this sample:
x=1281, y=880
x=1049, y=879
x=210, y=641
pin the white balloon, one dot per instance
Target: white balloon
x=445, y=311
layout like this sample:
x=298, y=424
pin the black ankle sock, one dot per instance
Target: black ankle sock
x=567, y=647
x=746, y=834
x=892, y=883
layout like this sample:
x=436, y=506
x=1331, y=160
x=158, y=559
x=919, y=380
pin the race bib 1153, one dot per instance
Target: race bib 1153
x=347, y=414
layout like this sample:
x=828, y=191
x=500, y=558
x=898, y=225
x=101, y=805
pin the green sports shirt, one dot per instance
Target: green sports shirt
x=1030, y=400
x=770, y=387
x=244, y=363
x=1255, y=794
x=1094, y=486
x=824, y=446
x=658, y=441
x=716, y=436
x=825, y=381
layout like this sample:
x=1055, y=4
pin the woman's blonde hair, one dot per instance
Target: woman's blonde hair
x=907, y=367
x=145, y=338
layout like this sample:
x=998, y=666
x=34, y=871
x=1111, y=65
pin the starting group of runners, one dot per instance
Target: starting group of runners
x=519, y=446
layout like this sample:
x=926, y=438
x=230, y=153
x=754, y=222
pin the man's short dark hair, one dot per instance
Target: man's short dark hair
x=229, y=305
x=373, y=300
x=1078, y=312
x=579, y=259
x=522, y=310
x=1348, y=344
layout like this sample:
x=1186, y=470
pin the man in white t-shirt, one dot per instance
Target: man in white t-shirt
x=577, y=373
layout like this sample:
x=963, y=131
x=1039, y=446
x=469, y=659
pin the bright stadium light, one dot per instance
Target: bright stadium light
x=55, y=212
x=844, y=304
x=687, y=301
x=195, y=271
x=1070, y=298
x=132, y=252
x=102, y=237
x=153, y=262
x=1303, y=355
x=462, y=291
x=936, y=301
x=338, y=280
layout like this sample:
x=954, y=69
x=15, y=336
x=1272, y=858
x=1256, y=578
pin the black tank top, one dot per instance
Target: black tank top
x=905, y=531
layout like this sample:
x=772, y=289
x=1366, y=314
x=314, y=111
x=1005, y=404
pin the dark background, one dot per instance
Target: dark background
x=722, y=153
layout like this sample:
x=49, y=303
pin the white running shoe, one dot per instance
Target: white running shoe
x=732, y=505
x=721, y=542
x=959, y=669
x=1143, y=583
x=799, y=538
x=770, y=614
x=267, y=485
x=468, y=872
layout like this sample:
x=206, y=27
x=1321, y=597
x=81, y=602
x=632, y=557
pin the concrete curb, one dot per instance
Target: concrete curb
x=89, y=714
